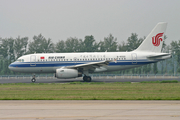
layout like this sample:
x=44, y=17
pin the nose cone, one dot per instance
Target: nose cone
x=11, y=67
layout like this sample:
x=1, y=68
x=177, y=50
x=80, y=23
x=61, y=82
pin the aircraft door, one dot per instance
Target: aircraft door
x=32, y=60
x=134, y=58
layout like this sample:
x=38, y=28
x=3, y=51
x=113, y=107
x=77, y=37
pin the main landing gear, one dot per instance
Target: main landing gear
x=87, y=78
x=33, y=79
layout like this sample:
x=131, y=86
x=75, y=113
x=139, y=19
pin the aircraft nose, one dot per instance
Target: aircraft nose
x=11, y=67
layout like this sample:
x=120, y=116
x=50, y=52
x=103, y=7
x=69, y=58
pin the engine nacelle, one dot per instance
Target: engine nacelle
x=67, y=73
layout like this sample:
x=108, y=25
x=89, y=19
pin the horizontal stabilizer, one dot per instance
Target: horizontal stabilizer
x=161, y=56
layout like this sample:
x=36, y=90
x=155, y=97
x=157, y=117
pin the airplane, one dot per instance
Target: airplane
x=73, y=65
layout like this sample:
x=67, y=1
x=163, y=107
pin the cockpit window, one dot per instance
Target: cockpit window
x=20, y=60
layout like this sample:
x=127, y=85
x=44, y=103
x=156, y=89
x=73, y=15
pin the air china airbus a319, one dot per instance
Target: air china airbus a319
x=72, y=65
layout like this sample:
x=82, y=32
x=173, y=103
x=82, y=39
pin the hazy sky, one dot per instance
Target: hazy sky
x=60, y=19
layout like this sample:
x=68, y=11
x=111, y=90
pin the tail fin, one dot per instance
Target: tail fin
x=154, y=41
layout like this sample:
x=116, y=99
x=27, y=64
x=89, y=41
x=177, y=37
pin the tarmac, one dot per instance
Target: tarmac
x=55, y=80
x=89, y=110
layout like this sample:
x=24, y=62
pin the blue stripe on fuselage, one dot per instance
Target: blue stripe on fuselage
x=71, y=63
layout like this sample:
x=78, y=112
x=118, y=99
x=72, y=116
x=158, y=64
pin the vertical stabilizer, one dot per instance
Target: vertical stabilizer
x=154, y=41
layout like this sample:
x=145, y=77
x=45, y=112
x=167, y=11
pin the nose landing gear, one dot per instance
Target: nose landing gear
x=33, y=80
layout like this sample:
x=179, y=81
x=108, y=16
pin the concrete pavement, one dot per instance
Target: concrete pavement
x=89, y=110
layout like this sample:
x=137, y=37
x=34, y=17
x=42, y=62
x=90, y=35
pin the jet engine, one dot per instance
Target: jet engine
x=67, y=73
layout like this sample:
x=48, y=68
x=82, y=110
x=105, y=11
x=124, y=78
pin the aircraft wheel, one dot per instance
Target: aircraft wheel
x=88, y=79
x=33, y=80
x=84, y=78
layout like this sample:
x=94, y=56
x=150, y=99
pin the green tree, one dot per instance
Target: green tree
x=149, y=68
x=5, y=67
x=155, y=69
x=122, y=47
x=47, y=46
x=166, y=62
x=139, y=69
x=164, y=44
x=10, y=49
x=60, y=46
x=20, y=45
x=40, y=45
x=175, y=49
x=72, y=45
x=163, y=50
x=1, y=65
x=4, y=48
x=89, y=44
x=133, y=71
x=109, y=44
x=133, y=42
x=144, y=69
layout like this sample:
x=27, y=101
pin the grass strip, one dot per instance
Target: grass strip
x=164, y=81
x=91, y=91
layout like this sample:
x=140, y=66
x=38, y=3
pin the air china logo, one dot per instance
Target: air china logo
x=156, y=39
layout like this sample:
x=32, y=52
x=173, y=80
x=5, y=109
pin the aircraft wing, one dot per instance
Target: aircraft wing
x=90, y=65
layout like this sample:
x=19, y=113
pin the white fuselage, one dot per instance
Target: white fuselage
x=49, y=62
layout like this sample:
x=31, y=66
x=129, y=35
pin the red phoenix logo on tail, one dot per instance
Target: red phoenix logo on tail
x=156, y=39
